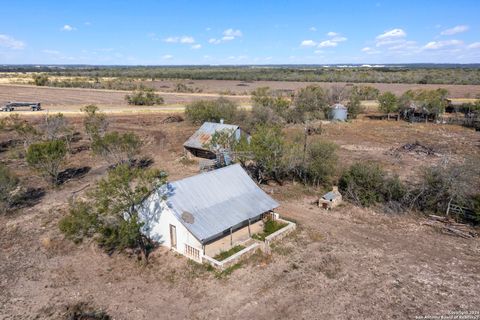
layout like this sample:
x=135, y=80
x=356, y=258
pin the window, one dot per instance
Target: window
x=192, y=252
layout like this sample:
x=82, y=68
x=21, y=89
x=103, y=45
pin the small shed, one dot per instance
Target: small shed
x=330, y=199
x=195, y=146
x=338, y=112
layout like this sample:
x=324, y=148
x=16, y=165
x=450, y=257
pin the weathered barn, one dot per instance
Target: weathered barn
x=207, y=213
x=196, y=145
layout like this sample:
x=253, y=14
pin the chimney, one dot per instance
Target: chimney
x=335, y=188
x=221, y=121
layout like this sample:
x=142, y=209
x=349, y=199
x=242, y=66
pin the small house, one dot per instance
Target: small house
x=330, y=199
x=338, y=112
x=196, y=145
x=208, y=213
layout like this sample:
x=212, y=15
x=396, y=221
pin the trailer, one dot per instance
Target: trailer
x=10, y=106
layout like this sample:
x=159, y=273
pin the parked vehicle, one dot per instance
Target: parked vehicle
x=34, y=106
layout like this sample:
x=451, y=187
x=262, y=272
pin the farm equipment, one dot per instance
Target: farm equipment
x=34, y=106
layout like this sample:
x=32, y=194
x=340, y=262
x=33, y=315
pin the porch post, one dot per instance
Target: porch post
x=249, y=233
x=231, y=237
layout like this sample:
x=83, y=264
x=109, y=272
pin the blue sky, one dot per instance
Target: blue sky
x=239, y=32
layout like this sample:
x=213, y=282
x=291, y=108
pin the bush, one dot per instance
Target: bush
x=144, y=97
x=321, y=162
x=206, y=110
x=354, y=106
x=270, y=226
x=8, y=183
x=363, y=183
x=80, y=222
x=47, y=158
x=225, y=254
x=117, y=147
x=40, y=79
x=267, y=147
x=95, y=122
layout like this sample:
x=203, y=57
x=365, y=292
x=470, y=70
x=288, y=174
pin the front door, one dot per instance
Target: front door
x=173, y=236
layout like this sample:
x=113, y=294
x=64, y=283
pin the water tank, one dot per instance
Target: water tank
x=338, y=112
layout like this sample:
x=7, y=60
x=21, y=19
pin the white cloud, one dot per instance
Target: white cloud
x=187, y=39
x=49, y=51
x=232, y=33
x=390, y=37
x=208, y=29
x=435, y=45
x=339, y=39
x=335, y=39
x=171, y=39
x=308, y=43
x=474, y=45
x=167, y=57
x=87, y=23
x=182, y=39
x=196, y=46
x=68, y=27
x=369, y=50
x=327, y=43
x=10, y=42
x=214, y=41
x=227, y=35
x=454, y=30
x=313, y=29
x=391, y=34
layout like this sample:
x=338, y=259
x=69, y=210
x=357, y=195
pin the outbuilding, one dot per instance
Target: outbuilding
x=338, y=112
x=207, y=213
x=330, y=199
x=196, y=145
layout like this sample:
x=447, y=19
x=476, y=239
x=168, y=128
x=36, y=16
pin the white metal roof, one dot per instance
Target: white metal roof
x=217, y=200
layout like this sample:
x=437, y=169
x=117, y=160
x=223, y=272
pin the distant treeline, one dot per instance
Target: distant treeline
x=412, y=75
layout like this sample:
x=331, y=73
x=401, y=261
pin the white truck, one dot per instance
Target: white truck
x=34, y=106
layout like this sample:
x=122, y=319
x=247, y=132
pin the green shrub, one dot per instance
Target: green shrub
x=81, y=222
x=95, y=122
x=144, y=97
x=269, y=227
x=321, y=162
x=40, y=79
x=47, y=158
x=225, y=254
x=206, y=110
x=117, y=147
x=8, y=183
x=363, y=183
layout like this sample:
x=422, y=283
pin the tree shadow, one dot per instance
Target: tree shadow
x=29, y=198
x=72, y=173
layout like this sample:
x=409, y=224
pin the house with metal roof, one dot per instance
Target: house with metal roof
x=196, y=145
x=207, y=213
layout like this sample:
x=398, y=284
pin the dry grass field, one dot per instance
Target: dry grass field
x=349, y=263
x=68, y=100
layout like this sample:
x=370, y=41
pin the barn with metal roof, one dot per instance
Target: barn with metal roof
x=196, y=145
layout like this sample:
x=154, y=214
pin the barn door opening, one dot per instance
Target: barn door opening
x=173, y=236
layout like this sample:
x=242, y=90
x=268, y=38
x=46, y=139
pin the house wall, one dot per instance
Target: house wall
x=238, y=236
x=160, y=231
